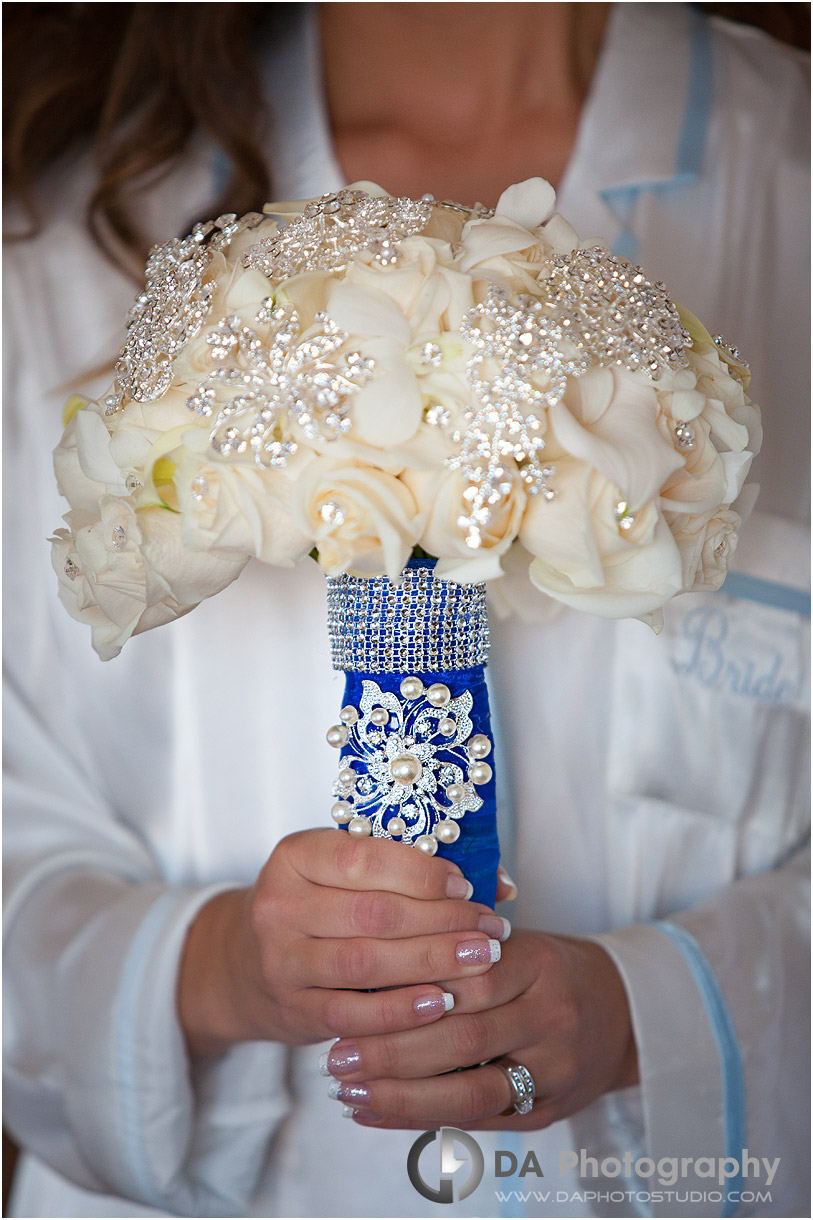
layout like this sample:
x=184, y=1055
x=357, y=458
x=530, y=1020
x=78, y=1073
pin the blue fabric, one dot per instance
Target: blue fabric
x=731, y=1065
x=767, y=593
x=477, y=851
x=691, y=144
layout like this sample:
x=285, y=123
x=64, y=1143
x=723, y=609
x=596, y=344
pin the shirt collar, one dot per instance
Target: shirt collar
x=626, y=144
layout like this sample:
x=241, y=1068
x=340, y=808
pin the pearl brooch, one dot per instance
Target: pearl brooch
x=405, y=769
x=359, y=826
x=428, y=844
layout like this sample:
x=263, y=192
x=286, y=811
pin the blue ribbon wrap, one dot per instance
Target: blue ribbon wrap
x=437, y=631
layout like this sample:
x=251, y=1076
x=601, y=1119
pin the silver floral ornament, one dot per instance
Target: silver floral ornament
x=408, y=775
x=273, y=377
x=171, y=309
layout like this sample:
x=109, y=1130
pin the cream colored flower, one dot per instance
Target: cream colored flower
x=590, y=555
x=442, y=495
x=707, y=543
x=361, y=520
x=609, y=419
x=237, y=508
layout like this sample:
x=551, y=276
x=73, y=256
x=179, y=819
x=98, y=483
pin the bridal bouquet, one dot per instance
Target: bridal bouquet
x=408, y=390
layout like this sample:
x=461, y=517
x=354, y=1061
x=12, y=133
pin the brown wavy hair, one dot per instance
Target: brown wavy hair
x=134, y=82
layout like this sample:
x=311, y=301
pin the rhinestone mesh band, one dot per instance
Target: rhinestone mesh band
x=421, y=625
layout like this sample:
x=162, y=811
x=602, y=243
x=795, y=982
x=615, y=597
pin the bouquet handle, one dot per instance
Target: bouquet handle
x=416, y=757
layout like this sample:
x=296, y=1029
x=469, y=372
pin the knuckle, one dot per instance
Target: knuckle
x=373, y=913
x=389, y=1014
x=471, y=1038
x=335, y=1015
x=352, y=963
x=477, y=1098
x=389, y=1059
x=353, y=863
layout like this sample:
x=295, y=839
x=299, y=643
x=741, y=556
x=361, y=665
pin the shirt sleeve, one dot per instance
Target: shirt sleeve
x=719, y=996
x=98, y=1082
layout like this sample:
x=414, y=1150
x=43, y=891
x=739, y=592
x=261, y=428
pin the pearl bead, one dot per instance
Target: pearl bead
x=455, y=793
x=336, y=735
x=438, y=694
x=396, y=826
x=348, y=715
x=406, y=768
x=447, y=832
x=428, y=844
x=347, y=776
x=447, y=726
x=379, y=716
x=412, y=688
x=341, y=812
x=478, y=746
x=480, y=773
x=360, y=826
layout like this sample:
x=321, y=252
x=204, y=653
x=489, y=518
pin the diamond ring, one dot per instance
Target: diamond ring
x=523, y=1089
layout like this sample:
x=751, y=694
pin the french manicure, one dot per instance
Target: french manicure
x=342, y=1060
x=324, y=1070
x=367, y=1116
x=478, y=952
x=458, y=887
x=494, y=925
x=348, y=1112
x=334, y=1090
x=354, y=1094
x=433, y=1005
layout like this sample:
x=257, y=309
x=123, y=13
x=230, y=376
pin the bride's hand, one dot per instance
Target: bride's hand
x=556, y=1005
x=329, y=916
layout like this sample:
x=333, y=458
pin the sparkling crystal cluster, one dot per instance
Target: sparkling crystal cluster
x=410, y=765
x=272, y=376
x=519, y=367
x=333, y=229
x=419, y=625
x=171, y=309
x=613, y=313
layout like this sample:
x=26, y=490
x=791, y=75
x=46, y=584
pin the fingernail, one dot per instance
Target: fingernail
x=507, y=880
x=354, y=1094
x=478, y=952
x=334, y=1090
x=494, y=925
x=433, y=1005
x=458, y=887
x=324, y=1070
x=348, y=1112
x=342, y=1060
x=367, y=1116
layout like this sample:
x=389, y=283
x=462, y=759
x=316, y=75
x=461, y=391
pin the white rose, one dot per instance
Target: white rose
x=583, y=555
x=237, y=508
x=441, y=496
x=361, y=520
x=707, y=542
x=188, y=577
